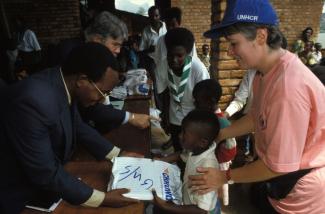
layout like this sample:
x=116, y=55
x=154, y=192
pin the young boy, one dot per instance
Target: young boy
x=206, y=95
x=184, y=72
x=199, y=129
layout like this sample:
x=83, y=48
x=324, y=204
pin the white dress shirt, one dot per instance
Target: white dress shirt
x=243, y=95
x=150, y=37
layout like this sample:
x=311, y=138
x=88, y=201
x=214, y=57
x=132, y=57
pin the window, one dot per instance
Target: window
x=134, y=6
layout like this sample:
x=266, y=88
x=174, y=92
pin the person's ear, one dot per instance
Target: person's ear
x=81, y=80
x=204, y=143
x=261, y=36
x=97, y=38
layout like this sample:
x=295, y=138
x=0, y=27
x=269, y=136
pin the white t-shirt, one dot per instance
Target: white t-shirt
x=150, y=37
x=29, y=42
x=177, y=112
x=160, y=57
x=206, y=159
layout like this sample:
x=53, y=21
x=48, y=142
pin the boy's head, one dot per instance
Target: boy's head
x=318, y=46
x=179, y=43
x=173, y=18
x=205, y=49
x=307, y=33
x=199, y=129
x=207, y=94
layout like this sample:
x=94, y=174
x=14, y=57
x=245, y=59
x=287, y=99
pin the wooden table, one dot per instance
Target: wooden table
x=96, y=174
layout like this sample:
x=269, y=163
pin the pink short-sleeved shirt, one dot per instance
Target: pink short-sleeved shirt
x=289, y=118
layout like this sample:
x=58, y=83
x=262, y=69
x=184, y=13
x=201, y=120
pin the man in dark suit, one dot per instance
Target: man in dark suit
x=40, y=125
x=2, y=84
x=110, y=31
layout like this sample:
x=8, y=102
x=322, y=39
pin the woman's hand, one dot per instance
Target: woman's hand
x=210, y=180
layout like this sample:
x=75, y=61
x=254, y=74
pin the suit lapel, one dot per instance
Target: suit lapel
x=65, y=116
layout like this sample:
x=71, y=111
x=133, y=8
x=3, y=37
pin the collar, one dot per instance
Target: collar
x=205, y=154
x=153, y=31
x=66, y=88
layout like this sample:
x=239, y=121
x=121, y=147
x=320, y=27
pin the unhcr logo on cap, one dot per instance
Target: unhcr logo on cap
x=247, y=18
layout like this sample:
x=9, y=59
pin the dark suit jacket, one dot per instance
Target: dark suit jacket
x=102, y=117
x=38, y=134
x=2, y=84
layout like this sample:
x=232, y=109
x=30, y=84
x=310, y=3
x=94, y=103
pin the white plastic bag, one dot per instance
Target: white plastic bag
x=141, y=175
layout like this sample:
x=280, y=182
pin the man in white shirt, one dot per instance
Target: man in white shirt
x=244, y=95
x=152, y=32
x=150, y=35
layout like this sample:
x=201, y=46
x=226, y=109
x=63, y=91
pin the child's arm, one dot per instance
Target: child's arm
x=170, y=207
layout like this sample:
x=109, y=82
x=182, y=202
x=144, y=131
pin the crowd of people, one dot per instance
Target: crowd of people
x=46, y=112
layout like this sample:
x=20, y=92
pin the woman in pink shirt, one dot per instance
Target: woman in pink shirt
x=287, y=116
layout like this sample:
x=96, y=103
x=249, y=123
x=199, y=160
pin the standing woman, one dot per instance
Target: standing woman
x=287, y=116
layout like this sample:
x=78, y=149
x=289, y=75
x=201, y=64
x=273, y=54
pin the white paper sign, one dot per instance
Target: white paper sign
x=141, y=175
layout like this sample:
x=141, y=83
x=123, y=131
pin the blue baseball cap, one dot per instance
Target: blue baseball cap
x=247, y=11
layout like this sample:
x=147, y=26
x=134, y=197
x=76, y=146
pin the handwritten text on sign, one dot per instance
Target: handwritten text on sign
x=134, y=172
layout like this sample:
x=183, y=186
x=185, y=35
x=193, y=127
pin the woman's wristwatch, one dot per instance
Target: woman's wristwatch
x=228, y=177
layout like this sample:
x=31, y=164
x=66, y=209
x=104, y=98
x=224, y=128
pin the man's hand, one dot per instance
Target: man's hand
x=130, y=154
x=210, y=180
x=141, y=121
x=114, y=198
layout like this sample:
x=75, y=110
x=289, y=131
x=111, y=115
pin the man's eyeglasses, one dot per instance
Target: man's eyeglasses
x=99, y=91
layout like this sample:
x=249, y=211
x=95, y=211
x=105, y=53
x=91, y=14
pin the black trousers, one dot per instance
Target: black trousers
x=260, y=199
x=175, y=130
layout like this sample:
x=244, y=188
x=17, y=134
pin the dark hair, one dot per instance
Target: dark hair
x=209, y=88
x=318, y=45
x=179, y=37
x=91, y=59
x=174, y=13
x=284, y=43
x=249, y=30
x=207, y=124
x=152, y=9
x=307, y=29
